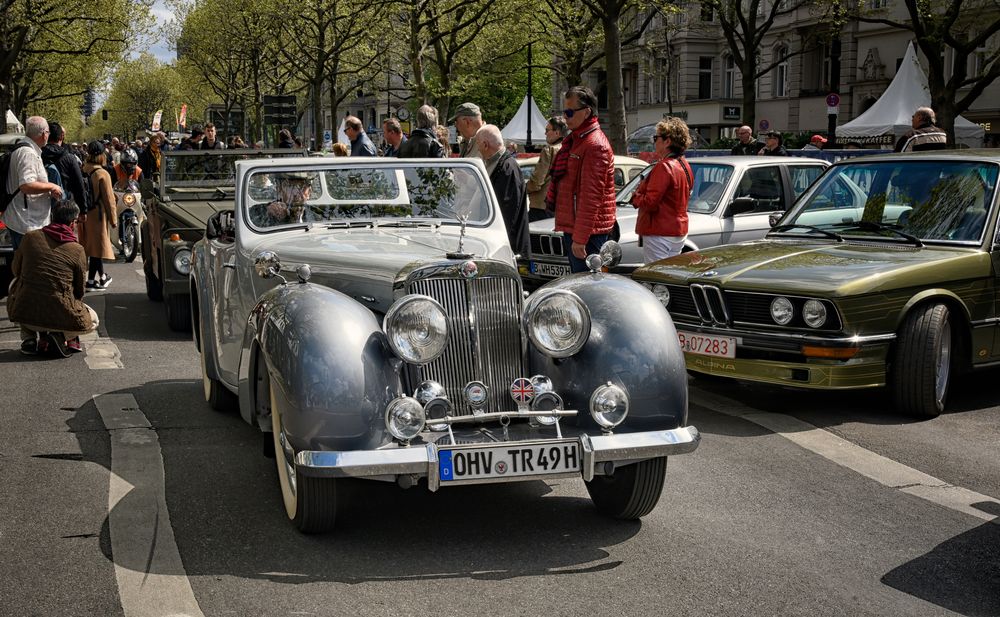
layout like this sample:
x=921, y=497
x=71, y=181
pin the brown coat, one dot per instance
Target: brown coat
x=48, y=290
x=94, y=231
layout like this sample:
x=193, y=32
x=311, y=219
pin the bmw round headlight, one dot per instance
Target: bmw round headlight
x=182, y=261
x=782, y=310
x=557, y=322
x=404, y=418
x=609, y=405
x=662, y=293
x=417, y=329
x=814, y=313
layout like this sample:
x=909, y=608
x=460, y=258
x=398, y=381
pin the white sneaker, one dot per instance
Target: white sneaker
x=104, y=282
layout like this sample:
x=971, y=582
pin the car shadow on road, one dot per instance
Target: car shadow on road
x=960, y=575
x=127, y=316
x=227, y=516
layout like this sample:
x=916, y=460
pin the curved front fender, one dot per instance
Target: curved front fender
x=632, y=343
x=330, y=367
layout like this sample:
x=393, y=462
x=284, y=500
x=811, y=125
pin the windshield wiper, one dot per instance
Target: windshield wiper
x=405, y=223
x=873, y=226
x=346, y=224
x=824, y=232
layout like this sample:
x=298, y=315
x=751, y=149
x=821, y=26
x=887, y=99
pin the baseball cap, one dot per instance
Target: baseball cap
x=775, y=134
x=466, y=110
x=817, y=138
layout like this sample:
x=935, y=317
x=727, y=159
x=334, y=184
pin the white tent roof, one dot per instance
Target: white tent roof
x=13, y=124
x=891, y=113
x=517, y=128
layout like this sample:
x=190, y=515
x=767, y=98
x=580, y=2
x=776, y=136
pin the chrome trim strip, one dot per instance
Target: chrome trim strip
x=988, y=322
x=793, y=336
x=497, y=415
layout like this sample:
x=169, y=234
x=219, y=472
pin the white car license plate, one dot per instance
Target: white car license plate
x=552, y=270
x=510, y=460
x=708, y=344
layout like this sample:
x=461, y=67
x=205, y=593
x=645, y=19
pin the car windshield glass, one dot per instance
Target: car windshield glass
x=396, y=194
x=936, y=200
x=709, y=184
x=193, y=174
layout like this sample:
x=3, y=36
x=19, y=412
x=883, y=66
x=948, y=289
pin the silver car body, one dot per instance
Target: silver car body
x=318, y=353
x=773, y=182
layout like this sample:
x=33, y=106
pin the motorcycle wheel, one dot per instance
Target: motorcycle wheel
x=130, y=242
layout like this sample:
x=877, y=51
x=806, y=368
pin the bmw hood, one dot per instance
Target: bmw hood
x=815, y=268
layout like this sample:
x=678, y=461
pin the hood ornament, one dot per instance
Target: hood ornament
x=460, y=253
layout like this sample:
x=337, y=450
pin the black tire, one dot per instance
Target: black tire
x=179, y=312
x=311, y=503
x=130, y=242
x=632, y=492
x=217, y=395
x=923, y=363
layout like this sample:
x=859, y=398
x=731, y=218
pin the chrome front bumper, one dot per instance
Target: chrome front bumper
x=421, y=461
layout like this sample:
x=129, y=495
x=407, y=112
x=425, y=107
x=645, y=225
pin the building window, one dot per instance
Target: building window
x=781, y=73
x=729, y=85
x=707, y=14
x=705, y=77
x=878, y=4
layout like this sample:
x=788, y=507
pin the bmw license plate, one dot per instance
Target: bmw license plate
x=507, y=461
x=707, y=344
x=550, y=270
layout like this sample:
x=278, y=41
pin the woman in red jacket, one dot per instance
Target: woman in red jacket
x=662, y=197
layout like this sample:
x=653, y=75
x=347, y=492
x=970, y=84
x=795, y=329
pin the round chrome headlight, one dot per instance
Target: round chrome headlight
x=782, y=310
x=428, y=390
x=404, y=418
x=557, y=322
x=662, y=294
x=417, y=329
x=128, y=199
x=609, y=405
x=814, y=313
x=182, y=261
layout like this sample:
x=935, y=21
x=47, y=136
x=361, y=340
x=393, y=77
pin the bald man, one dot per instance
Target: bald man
x=508, y=184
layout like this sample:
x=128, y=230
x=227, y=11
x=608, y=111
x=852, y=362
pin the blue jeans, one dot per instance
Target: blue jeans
x=594, y=245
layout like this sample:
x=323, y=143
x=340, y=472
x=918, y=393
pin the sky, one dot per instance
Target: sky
x=158, y=46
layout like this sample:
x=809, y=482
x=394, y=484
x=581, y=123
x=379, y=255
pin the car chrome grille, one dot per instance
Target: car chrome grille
x=710, y=304
x=547, y=244
x=681, y=301
x=484, y=338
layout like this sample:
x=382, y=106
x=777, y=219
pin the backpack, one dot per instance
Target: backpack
x=88, y=191
x=6, y=197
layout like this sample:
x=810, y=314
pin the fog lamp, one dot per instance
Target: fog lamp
x=609, y=405
x=404, y=418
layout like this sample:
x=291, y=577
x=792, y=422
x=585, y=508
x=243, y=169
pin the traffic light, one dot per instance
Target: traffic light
x=104, y=114
x=87, y=109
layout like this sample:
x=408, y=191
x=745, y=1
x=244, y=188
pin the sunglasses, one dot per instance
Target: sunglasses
x=655, y=137
x=569, y=113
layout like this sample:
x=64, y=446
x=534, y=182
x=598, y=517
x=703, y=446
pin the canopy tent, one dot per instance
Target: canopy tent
x=889, y=118
x=13, y=125
x=517, y=129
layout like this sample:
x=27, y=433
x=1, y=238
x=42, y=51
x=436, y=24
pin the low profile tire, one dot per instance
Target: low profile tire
x=632, y=492
x=179, y=312
x=310, y=503
x=922, y=364
x=130, y=242
x=217, y=395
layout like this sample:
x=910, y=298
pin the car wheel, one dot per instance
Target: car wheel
x=922, y=364
x=179, y=312
x=218, y=396
x=632, y=491
x=130, y=242
x=310, y=503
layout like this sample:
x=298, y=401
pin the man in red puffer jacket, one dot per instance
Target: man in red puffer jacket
x=582, y=191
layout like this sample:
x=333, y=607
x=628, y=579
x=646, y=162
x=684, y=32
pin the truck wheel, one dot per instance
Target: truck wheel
x=310, y=503
x=217, y=395
x=632, y=491
x=179, y=312
x=922, y=363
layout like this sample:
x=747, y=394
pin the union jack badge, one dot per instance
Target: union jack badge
x=522, y=391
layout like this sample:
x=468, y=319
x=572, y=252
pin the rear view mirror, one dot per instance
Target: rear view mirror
x=741, y=205
x=774, y=218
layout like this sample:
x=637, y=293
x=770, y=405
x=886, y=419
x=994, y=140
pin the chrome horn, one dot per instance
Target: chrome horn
x=609, y=257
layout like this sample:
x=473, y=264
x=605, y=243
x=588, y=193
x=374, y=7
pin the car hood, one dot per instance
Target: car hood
x=364, y=263
x=820, y=268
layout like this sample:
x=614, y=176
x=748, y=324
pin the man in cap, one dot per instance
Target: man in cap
x=772, y=145
x=468, y=120
x=292, y=191
x=815, y=143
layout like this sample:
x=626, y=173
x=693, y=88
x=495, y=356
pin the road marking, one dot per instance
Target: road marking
x=883, y=470
x=148, y=567
x=100, y=353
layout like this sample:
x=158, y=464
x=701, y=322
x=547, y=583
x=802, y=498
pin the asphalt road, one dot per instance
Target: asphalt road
x=815, y=515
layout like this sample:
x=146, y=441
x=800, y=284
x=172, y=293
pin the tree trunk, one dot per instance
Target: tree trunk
x=749, y=96
x=316, y=93
x=616, y=129
x=946, y=112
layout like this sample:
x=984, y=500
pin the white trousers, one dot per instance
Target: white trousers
x=655, y=248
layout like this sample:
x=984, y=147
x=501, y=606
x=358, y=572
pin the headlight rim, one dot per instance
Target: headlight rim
x=390, y=321
x=600, y=419
x=387, y=417
x=536, y=301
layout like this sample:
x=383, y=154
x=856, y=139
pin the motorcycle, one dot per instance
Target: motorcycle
x=130, y=216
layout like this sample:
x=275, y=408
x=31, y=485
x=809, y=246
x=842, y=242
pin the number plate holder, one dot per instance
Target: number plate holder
x=550, y=270
x=708, y=344
x=508, y=461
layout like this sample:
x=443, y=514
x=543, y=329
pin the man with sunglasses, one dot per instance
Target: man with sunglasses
x=582, y=191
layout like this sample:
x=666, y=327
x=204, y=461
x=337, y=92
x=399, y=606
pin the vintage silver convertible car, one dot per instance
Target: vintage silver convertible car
x=369, y=315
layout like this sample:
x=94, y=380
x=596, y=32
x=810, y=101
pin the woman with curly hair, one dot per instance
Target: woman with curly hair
x=662, y=197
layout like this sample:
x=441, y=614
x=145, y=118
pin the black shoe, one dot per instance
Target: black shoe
x=57, y=344
x=104, y=282
x=93, y=286
x=29, y=347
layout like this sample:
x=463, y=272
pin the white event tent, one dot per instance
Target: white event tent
x=517, y=129
x=13, y=124
x=891, y=114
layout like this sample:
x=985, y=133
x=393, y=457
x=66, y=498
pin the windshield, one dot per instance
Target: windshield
x=190, y=174
x=930, y=200
x=401, y=195
x=709, y=184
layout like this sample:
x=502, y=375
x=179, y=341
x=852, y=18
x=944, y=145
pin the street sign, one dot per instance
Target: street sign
x=764, y=125
x=731, y=112
x=832, y=100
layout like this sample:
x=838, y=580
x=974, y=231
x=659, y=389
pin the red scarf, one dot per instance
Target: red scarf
x=561, y=162
x=60, y=232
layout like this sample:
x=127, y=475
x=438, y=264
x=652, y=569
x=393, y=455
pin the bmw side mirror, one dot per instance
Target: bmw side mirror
x=741, y=205
x=774, y=218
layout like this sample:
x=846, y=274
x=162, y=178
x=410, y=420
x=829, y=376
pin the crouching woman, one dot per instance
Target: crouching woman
x=46, y=297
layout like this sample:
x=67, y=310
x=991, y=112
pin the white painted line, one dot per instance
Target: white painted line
x=883, y=470
x=148, y=567
x=100, y=353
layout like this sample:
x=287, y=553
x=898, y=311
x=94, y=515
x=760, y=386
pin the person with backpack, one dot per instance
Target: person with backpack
x=94, y=231
x=26, y=203
x=55, y=154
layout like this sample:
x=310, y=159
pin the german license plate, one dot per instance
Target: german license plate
x=506, y=461
x=708, y=344
x=551, y=270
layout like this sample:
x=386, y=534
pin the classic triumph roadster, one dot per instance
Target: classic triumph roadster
x=368, y=317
